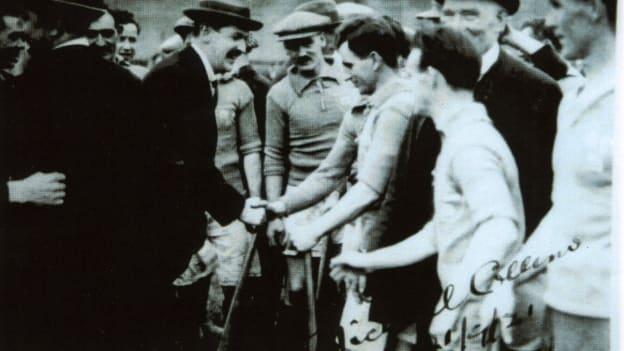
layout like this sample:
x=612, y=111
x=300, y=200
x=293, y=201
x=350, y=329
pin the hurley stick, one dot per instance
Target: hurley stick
x=312, y=327
x=226, y=336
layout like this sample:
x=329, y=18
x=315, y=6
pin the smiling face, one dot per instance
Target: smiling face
x=306, y=53
x=482, y=20
x=361, y=71
x=102, y=36
x=223, y=46
x=574, y=25
x=126, y=44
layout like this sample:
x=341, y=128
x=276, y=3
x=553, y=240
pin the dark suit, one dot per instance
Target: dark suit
x=181, y=104
x=523, y=102
x=75, y=117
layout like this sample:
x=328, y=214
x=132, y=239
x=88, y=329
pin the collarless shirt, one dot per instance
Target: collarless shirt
x=237, y=127
x=475, y=180
x=582, y=199
x=376, y=132
x=302, y=121
x=489, y=59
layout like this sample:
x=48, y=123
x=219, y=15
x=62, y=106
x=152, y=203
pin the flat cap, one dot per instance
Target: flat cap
x=352, y=9
x=183, y=26
x=301, y=24
x=321, y=7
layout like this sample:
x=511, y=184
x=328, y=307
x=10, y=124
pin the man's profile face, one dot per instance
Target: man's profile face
x=127, y=41
x=224, y=46
x=102, y=36
x=306, y=53
x=482, y=20
x=573, y=25
x=361, y=71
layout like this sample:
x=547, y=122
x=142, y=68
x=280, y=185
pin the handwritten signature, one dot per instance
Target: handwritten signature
x=488, y=335
x=512, y=273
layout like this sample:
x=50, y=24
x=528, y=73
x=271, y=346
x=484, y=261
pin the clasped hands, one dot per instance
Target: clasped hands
x=255, y=213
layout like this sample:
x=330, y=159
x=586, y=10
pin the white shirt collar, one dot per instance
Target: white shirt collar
x=211, y=75
x=489, y=58
x=82, y=41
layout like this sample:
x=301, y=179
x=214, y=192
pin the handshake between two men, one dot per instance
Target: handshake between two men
x=258, y=212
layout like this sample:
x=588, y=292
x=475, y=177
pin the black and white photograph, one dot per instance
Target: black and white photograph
x=309, y=175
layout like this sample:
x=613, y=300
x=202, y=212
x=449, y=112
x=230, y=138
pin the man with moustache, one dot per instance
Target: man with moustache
x=128, y=31
x=326, y=8
x=102, y=35
x=182, y=92
x=304, y=112
x=522, y=101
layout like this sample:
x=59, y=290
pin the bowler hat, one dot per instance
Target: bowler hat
x=228, y=11
x=301, y=24
x=321, y=7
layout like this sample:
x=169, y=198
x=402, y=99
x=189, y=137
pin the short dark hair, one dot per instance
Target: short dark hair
x=453, y=55
x=402, y=41
x=123, y=17
x=366, y=34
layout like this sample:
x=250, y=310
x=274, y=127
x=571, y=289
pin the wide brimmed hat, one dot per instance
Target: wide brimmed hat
x=236, y=13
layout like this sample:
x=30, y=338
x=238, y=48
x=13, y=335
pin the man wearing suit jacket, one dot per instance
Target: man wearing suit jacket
x=521, y=101
x=182, y=95
x=77, y=117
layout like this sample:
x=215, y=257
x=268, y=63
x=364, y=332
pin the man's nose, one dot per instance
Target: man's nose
x=100, y=41
x=452, y=22
x=241, y=45
x=302, y=51
x=552, y=19
x=22, y=44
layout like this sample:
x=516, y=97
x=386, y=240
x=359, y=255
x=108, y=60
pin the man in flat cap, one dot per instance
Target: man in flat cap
x=522, y=101
x=304, y=112
x=184, y=27
x=183, y=93
x=326, y=8
x=69, y=259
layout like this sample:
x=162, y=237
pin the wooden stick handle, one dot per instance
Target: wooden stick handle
x=312, y=326
x=226, y=337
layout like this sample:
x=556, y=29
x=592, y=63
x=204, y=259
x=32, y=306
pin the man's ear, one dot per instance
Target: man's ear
x=503, y=17
x=377, y=60
x=205, y=33
x=323, y=40
x=597, y=10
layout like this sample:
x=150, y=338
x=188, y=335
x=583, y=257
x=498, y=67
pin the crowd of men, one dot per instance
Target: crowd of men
x=446, y=187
